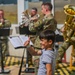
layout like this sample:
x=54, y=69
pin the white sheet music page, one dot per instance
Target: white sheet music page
x=16, y=42
x=24, y=39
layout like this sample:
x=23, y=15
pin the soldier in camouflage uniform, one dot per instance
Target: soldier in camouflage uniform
x=33, y=18
x=68, y=32
x=26, y=19
x=46, y=21
x=3, y=24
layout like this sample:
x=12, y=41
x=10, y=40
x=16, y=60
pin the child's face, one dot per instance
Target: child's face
x=45, y=44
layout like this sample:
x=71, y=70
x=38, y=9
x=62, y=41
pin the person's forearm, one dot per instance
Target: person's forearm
x=49, y=72
x=32, y=51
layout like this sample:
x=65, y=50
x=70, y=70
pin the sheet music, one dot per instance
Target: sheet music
x=24, y=39
x=18, y=41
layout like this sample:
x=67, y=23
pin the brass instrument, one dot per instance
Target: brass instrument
x=26, y=13
x=70, y=12
x=69, y=23
x=24, y=23
x=26, y=18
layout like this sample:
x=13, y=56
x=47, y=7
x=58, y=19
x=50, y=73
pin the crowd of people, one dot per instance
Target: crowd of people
x=44, y=26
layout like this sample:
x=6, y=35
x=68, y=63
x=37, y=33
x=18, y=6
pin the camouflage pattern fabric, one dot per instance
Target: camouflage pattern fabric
x=69, y=39
x=6, y=24
x=4, y=38
x=69, y=32
x=47, y=22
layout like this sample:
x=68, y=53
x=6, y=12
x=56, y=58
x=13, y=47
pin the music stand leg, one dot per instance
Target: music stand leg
x=28, y=70
x=2, y=71
x=21, y=63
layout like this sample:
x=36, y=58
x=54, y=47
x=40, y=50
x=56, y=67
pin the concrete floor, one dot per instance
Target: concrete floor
x=64, y=70
x=14, y=70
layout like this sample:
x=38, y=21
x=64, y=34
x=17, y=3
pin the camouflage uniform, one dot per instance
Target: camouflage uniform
x=6, y=24
x=4, y=39
x=69, y=37
x=43, y=23
x=46, y=22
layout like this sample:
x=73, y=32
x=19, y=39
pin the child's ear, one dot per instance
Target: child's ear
x=50, y=41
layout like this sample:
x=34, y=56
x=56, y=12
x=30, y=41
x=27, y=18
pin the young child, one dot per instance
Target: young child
x=46, y=64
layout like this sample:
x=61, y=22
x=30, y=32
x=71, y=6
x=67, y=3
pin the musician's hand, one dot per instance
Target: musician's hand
x=34, y=18
x=27, y=42
x=62, y=29
x=2, y=21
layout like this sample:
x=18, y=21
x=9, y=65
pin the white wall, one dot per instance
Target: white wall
x=20, y=9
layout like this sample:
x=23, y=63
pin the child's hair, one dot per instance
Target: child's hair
x=47, y=34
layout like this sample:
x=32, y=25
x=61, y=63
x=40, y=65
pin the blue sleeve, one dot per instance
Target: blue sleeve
x=47, y=59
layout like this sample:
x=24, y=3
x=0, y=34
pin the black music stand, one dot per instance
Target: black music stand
x=24, y=30
x=3, y=32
